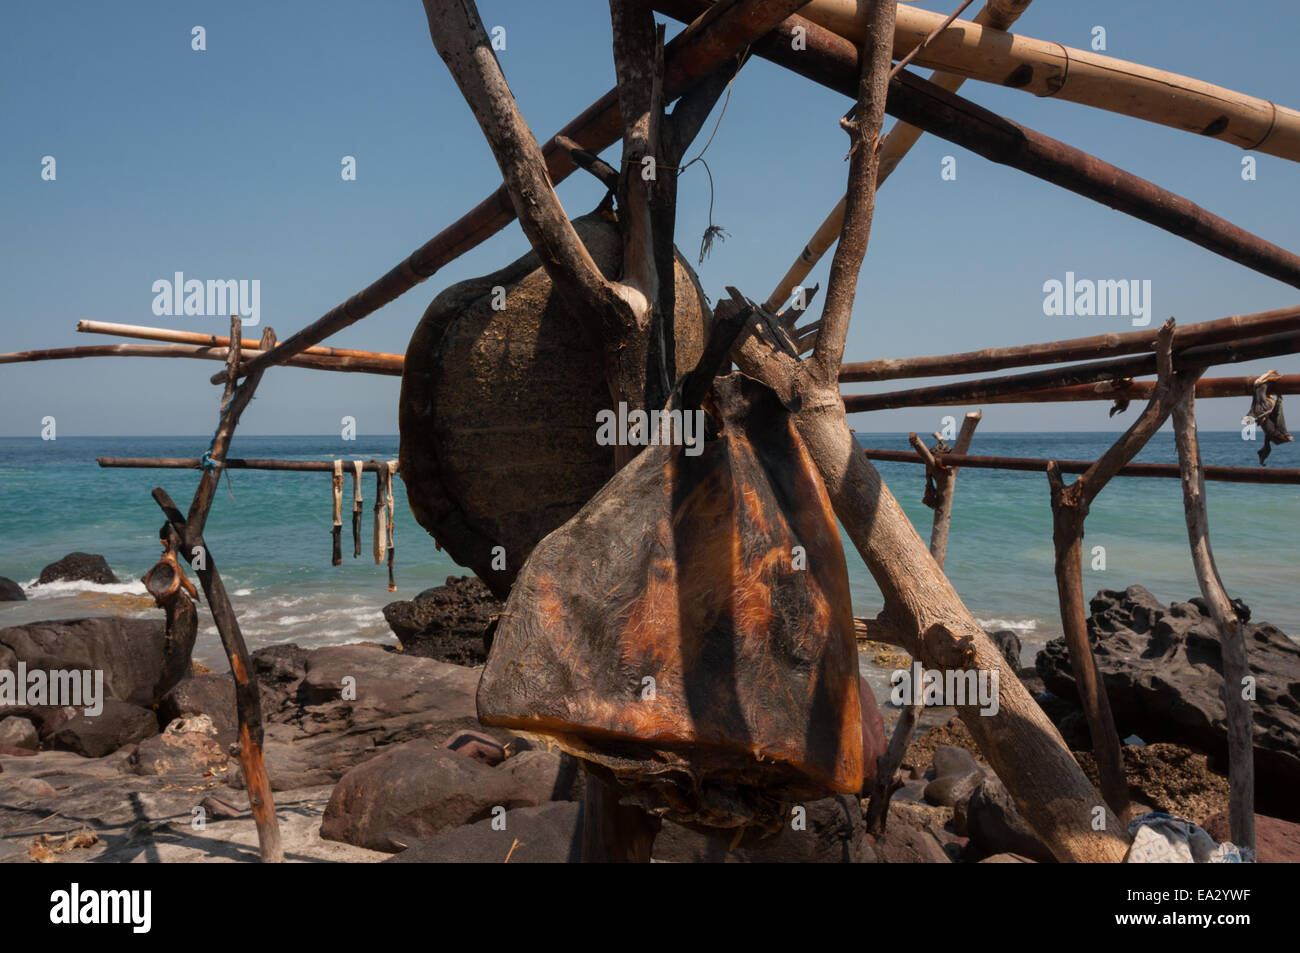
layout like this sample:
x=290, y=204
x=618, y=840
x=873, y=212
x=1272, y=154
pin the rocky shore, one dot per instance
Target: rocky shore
x=376, y=754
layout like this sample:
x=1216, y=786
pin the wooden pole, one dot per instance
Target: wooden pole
x=1232, y=637
x=831, y=60
x=894, y=147
x=989, y=388
x=692, y=56
x=1070, y=505
x=174, y=336
x=1039, y=465
x=887, y=765
x=1124, y=390
x=380, y=364
x=234, y=463
x=1046, y=68
x=189, y=531
x=946, y=480
x=1115, y=344
x=1020, y=742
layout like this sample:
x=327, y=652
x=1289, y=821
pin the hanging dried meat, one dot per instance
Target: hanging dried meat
x=1266, y=411
x=499, y=399
x=690, y=632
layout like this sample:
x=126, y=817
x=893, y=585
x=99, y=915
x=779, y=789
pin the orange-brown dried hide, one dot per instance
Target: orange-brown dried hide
x=690, y=630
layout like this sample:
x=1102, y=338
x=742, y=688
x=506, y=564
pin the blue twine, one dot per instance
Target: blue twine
x=206, y=460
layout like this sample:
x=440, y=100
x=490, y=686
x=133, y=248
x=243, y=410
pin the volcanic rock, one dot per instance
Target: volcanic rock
x=1163, y=674
x=446, y=622
x=78, y=567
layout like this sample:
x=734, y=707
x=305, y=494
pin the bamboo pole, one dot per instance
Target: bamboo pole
x=893, y=148
x=989, y=388
x=1039, y=465
x=1081, y=76
x=829, y=59
x=712, y=39
x=1114, y=344
x=173, y=336
x=385, y=364
x=1229, y=621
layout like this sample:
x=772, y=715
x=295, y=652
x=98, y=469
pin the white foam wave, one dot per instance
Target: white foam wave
x=53, y=590
x=1015, y=625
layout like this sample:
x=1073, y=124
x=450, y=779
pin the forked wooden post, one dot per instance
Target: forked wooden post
x=189, y=532
x=1070, y=505
x=946, y=481
x=1228, y=620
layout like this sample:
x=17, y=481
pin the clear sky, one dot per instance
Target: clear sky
x=226, y=163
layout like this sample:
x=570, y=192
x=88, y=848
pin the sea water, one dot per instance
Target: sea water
x=270, y=534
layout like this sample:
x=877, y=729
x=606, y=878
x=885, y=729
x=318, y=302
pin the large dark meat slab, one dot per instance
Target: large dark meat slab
x=682, y=569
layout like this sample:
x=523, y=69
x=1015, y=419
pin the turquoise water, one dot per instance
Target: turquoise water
x=272, y=540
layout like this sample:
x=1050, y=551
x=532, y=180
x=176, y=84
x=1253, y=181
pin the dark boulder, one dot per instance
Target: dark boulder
x=130, y=653
x=10, y=591
x=549, y=834
x=1008, y=644
x=955, y=776
x=1163, y=674
x=996, y=827
x=417, y=789
x=78, y=567
x=446, y=622
x=119, y=724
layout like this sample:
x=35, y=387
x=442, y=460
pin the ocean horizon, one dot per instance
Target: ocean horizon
x=270, y=534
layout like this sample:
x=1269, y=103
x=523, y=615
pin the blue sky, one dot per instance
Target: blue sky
x=226, y=163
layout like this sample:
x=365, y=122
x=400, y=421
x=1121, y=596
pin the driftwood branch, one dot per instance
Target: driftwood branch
x=946, y=481
x=1070, y=505
x=1040, y=464
x=888, y=764
x=692, y=55
x=187, y=531
x=589, y=161
x=1020, y=742
x=1076, y=349
x=860, y=207
x=1117, y=368
x=459, y=37
x=1123, y=391
x=1232, y=638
